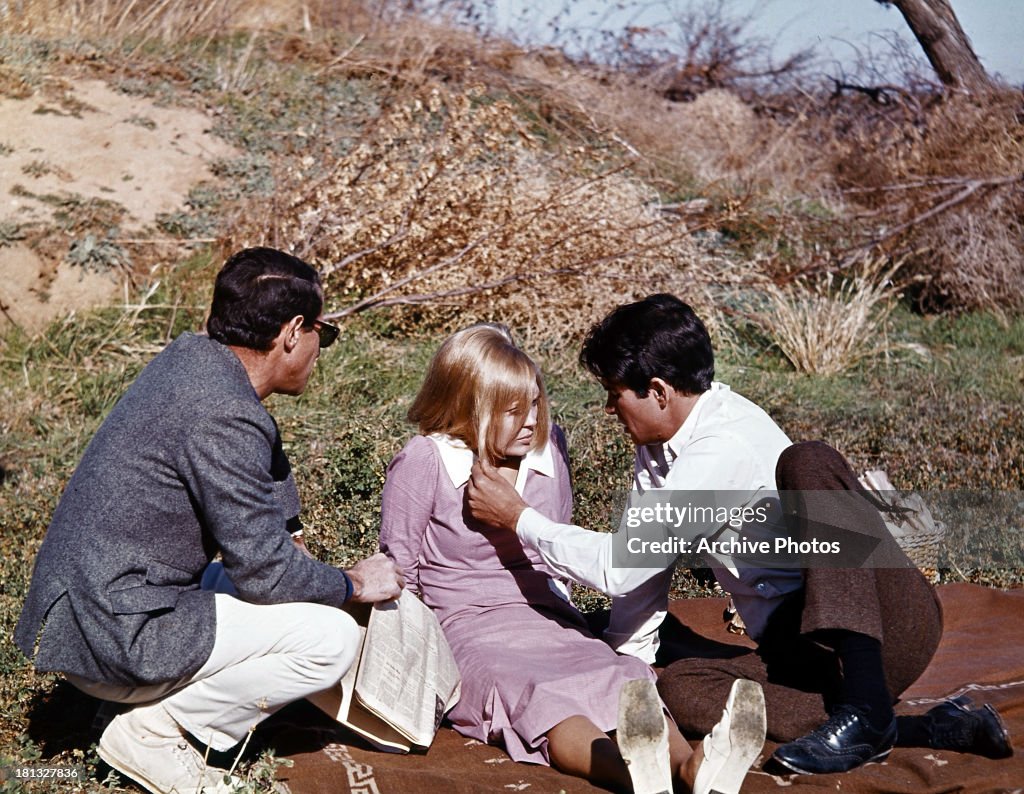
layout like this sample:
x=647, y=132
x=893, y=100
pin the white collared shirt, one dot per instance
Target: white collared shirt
x=726, y=444
x=458, y=460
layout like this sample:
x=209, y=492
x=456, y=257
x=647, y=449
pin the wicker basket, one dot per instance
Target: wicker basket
x=910, y=522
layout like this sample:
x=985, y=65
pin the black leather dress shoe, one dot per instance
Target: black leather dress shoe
x=844, y=742
x=955, y=725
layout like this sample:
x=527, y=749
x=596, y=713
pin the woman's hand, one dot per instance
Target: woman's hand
x=491, y=499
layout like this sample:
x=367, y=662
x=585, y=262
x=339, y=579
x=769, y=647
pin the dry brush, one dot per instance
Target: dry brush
x=450, y=206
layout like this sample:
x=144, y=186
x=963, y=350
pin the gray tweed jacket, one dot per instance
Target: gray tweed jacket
x=188, y=462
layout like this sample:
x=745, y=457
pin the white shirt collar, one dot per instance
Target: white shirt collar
x=458, y=460
x=675, y=445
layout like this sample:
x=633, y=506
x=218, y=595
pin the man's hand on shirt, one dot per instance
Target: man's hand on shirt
x=492, y=499
x=375, y=579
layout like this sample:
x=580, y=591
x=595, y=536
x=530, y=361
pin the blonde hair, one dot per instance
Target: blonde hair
x=476, y=375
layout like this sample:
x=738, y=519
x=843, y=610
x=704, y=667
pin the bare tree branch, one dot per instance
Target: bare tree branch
x=397, y=237
x=969, y=188
x=377, y=298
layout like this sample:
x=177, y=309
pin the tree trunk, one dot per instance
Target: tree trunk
x=949, y=51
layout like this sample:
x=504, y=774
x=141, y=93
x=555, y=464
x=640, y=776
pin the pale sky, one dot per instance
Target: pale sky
x=837, y=28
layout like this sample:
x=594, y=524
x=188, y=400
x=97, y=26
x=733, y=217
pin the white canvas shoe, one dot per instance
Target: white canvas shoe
x=148, y=746
x=734, y=743
x=642, y=736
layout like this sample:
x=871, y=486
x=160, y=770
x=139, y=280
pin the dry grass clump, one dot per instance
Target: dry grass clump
x=169, y=20
x=828, y=326
x=715, y=140
x=945, y=184
x=136, y=22
x=670, y=91
x=976, y=246
x=449, y=206
x=978, y=254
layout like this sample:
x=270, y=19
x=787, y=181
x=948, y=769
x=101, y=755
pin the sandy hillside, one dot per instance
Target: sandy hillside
x=85, y=139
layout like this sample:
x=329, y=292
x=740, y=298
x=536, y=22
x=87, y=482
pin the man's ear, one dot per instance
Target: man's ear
x=661, y=391
x=291, y=332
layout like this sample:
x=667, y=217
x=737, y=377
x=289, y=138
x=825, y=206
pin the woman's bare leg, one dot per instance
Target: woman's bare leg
x=578, y=747
x=683, y=758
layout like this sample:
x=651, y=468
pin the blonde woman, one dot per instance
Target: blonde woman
x=535, y=680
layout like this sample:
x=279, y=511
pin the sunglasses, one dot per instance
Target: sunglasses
x=327, y=332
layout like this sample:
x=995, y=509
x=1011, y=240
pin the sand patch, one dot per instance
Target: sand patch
x=32, y=295
x=93, y=142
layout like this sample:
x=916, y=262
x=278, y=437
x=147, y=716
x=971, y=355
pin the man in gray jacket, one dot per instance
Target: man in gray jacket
x=189, y=463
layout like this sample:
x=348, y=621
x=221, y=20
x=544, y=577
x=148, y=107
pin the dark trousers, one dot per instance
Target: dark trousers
x=888, y=599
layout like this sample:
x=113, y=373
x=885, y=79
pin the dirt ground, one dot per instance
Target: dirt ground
x=83, y=139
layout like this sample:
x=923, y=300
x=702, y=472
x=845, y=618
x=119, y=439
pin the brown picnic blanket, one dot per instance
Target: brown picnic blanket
x=981, y=654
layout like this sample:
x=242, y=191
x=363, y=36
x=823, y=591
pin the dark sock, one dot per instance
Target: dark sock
x=864, y=676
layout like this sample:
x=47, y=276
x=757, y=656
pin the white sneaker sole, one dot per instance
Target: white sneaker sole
x=642, y=737
x=747, y=728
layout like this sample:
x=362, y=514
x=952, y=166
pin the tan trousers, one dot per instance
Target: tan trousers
x=263, y=658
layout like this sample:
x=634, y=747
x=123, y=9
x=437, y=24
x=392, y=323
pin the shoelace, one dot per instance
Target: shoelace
x=196, y=767
x=836, y=724
x=960, y=732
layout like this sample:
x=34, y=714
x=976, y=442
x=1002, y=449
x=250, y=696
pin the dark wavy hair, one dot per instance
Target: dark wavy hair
x=257, y=291
x=659, y=336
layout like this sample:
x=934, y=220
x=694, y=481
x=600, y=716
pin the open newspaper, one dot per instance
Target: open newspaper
x=403, y=681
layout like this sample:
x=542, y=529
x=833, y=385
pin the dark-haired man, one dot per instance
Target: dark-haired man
x=834, y=644
x=188, y=464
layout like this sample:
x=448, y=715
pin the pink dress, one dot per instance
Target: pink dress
x=526, y=657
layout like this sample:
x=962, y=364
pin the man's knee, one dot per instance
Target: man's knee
x=319, y=642
x=334, y=642
x=695, y=689
x=813, y=465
